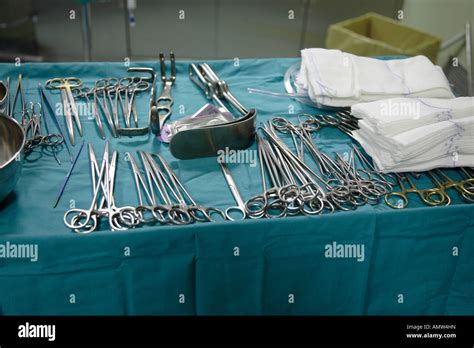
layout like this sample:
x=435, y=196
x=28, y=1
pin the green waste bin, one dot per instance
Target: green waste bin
x=376, y=35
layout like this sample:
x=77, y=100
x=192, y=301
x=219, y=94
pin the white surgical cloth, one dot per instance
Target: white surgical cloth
x=391, y=116
x=440, y=135
x=335, y=78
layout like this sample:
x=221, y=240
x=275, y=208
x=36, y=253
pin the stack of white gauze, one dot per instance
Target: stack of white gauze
x=335, y=78
x=417, y=134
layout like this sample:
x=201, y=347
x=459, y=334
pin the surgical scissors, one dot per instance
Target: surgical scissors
x=101, y=86
x=84, y=92
x=65, y=85
x=164, y=103
x=240, y=207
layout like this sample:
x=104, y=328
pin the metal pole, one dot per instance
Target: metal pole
x=86, y=31
x=469, y=58
x=304, y=26
x=128, y=44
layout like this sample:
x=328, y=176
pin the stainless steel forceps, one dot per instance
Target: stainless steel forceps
x=66, y=85
x=164, y=103
x=239, y=209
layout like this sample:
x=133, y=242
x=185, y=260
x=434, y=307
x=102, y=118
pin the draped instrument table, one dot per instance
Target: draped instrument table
x=418, y=260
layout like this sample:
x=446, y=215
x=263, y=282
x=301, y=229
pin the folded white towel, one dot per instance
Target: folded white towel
x=396, y=115
x=434, y=158
x=330, y=74
x=404, y=134
x=335, y=78
x=416, y=141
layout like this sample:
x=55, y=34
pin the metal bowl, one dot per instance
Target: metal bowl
x=12, y=141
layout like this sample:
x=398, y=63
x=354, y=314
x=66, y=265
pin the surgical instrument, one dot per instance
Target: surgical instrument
x=84, y=92
x=388, y=178
x=258, y=206
x=46, y=126
x=18, y=93
x=175, y=203
x=68, y=176
x=149, y=82
x=65, y=85
x=169, y=202
x=178, y=206
x=214, y=87
x=88, y=219
x=298, y=189
x=365, y=185
x=31, y=118
x=286, y=197
x=164, y=103
x=308, y=197
x=207, y=140
x=198, y=212
x=428, y=196
x=103, y=203
x=343, y=120
x=100, y=86
x=8, y=107
x=138, y=84
x=47, y=102
x=240, y=207
x=464, y=187
x=115, y=98
x=112, y=90
x=140, y=185
x=31, y=123
x=437, y=195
